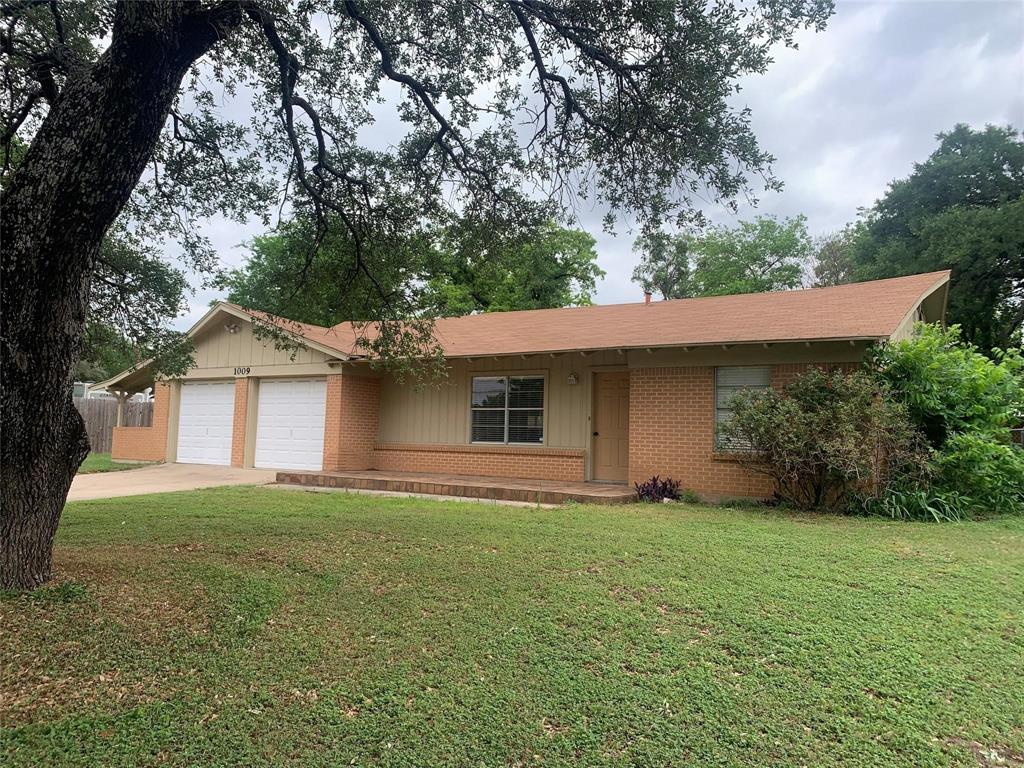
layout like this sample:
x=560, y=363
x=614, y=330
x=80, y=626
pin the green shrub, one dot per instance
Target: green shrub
x=965, y=403
x=948, y=386
x=990, y=473
x=689, y=496
x=828, y=441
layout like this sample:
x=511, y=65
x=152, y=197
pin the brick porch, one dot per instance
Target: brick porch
x=498, y=488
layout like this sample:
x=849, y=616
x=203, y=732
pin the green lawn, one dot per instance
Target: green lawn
x=100, y=462
x=266, y=627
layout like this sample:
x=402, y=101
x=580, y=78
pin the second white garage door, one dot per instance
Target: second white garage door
x=205, y=417
x=290, y=424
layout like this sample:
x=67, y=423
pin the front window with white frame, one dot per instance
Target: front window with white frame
x=507, y=409
x=729, y=382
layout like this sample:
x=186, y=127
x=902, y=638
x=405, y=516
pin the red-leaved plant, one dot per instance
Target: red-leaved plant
x=656, y=489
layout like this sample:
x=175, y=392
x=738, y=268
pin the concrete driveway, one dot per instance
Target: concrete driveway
x=161, y=478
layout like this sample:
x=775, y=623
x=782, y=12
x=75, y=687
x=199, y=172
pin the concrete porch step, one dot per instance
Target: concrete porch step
x=496, y=488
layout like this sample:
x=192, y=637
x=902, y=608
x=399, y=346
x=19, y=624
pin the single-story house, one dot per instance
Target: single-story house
x=612, y=393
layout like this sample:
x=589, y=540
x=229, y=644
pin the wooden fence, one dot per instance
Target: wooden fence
x=100, y=416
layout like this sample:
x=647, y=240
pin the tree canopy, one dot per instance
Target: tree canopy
x=664, y=266
x=512, y=110
x=596, y=83
x=547, y=266
x=105, y=352
x=832, y=261
x=455, y=272
x=961, y=209
x=755, y=256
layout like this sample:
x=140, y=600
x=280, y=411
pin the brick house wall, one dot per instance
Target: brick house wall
x=350, y=424
x=671, y=433
x=239, y=419
x=145, y=443
x=672, y=423
x=495, y=461
x=672, y=426
x=332, y=423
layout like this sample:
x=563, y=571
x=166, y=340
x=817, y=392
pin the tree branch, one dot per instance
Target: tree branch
x=177, y=120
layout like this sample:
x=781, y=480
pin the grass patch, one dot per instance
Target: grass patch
x=245, y=626
x=101, y=462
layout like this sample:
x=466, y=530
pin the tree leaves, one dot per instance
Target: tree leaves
x=459, y=270
x=756, y=256
x=507, y=106
x=961, y=209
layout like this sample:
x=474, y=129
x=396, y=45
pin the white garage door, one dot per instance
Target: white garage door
x=205, y=419
x=290, y=424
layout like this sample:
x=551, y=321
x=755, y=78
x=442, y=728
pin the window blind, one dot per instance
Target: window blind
x=729, y=382
x=507, y=409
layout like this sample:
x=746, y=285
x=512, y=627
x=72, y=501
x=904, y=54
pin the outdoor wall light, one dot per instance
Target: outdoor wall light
x=574, y=378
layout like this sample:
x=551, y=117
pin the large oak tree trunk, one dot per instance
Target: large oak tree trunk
x=75, y=178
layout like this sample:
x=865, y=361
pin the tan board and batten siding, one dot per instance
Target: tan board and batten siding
x=438, y=415
x=441, y=414
x=218, y=353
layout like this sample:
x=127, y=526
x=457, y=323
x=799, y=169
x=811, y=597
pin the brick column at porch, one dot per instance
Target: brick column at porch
x=145, y=443
x=350, y=425
x=238, y=424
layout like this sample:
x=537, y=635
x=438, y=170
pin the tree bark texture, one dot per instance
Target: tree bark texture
x=75, y=178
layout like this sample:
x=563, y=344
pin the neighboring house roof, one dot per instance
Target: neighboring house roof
x=867, y=311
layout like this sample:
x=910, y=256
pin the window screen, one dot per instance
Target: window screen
x=728, y=383
x=507, y=409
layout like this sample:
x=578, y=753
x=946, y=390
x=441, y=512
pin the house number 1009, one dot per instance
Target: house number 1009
x=242, y=370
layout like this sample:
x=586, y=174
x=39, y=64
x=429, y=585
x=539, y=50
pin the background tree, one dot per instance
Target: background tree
x=549, y=266
x=456, y=271
x=755, y=256
x=332, y=287
x=961, y=209
x=104, y=353
x=833, y=258
x=664, y=266
x=120, y=106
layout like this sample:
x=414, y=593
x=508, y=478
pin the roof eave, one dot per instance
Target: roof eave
x=942, y=282
x=101, y=385
x=861, y=339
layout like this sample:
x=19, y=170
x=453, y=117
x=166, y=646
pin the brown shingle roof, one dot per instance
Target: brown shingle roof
x=870, y=310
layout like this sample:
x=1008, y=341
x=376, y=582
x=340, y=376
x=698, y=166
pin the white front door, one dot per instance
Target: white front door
x=290, y=424
x=205, y=419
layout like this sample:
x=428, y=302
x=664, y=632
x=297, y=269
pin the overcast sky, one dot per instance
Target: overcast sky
x=849, y=111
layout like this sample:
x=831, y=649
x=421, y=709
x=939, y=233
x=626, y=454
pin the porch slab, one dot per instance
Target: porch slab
x=467, y=486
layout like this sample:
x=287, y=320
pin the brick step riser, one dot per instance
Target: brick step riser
x=438, y=489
